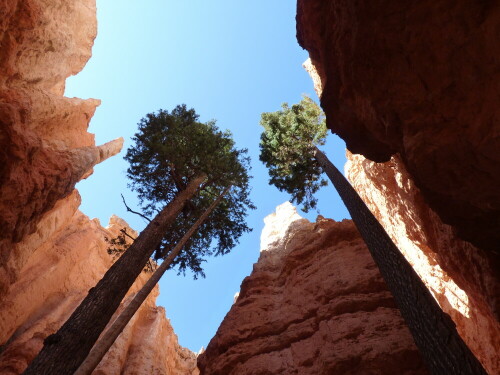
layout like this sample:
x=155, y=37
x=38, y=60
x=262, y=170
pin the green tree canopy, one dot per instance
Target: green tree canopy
x=287, y=149
x=170, y=149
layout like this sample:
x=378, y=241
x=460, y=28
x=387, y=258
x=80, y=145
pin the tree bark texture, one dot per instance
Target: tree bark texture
x=65, y=350
x=111, y=334
x=433, y=330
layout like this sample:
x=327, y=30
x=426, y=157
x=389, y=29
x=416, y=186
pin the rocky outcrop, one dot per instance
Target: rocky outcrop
x=419, y=79
x=367, y=63
x=315, y=303
x=45, y=148
x=462, y=279
x=50, y=253
x=54, y=281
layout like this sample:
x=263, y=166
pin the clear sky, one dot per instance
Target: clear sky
x=230, y=60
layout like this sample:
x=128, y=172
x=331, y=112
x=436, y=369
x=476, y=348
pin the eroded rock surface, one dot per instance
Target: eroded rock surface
x=315, y=303
x=420, y=79
x=50, y=253
x=45, y=148
x=464, y=281
x=57, y=277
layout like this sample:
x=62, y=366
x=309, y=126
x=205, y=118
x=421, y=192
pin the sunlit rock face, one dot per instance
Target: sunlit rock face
x=420, y=79
x=54, y=281
x=50, y=253
x=44, y=144
x=314, y=303
x=464, y=281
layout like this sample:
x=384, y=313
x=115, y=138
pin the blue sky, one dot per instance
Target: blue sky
x=231, y=61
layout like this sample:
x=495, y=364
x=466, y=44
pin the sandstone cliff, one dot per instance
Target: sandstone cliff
x=45, y=148
x=463, y=280
x=393, y=82
x=420, y=79
x=54, y=281
x=315, y=303
x=50, y=253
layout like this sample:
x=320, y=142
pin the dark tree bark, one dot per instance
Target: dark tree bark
x=433, y=330
x=65, y=350
x=112, y=333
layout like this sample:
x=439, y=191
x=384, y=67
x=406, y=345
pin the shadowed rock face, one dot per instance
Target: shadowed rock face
x=315, y=303
x=420, y=79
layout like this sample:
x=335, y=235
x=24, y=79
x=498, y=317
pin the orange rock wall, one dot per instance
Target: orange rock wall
x=44, y=145
x=416, y=81
x=463, y=280
x=315, y=303
x=50, y=253
x=54, y=281
x=420, y=79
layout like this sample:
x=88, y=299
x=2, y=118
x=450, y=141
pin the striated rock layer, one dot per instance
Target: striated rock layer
x=315, y=303
x=54, y=281
x=420, y=79
x=50, y=253
x=464, y=281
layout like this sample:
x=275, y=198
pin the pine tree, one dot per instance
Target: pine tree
x=113, y=331
x=289, y=149
x=174, y=156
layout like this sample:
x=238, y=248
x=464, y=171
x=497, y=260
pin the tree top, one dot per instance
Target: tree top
x=170, y=149
x=287, y=149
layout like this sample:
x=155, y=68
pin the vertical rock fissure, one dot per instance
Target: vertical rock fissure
x=433, y=331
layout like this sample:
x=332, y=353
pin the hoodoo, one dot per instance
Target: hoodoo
x=315, y=303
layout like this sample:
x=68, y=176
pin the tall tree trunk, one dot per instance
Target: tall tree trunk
x=112, y=333
x=433, y=330
x=65, y=350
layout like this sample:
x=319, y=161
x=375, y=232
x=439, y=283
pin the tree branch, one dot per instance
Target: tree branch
x=134, y=212
x=177, y=180
x=124, y=231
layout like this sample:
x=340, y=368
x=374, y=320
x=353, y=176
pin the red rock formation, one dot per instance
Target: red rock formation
x=463, y=280
x=420, y=79
x=44, y=145
x=50, y=253
x=471, y=298
x=315, y=303
x=54, y=281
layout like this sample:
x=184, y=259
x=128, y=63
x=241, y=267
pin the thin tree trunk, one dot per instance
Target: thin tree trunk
x=65, y=350
x=112, y=333
x=433, y=330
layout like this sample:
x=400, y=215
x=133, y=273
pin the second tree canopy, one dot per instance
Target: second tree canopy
x=170, y=149
x=287, y=149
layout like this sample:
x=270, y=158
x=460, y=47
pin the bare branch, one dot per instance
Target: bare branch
x=124, y=231
x=134, y=212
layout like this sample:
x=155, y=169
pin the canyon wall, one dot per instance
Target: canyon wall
x=315, y=303
x=420, y=79
x=50, y=253
x=45, y=148
x=413, y=90
x=461, y=279
x=54, y=281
